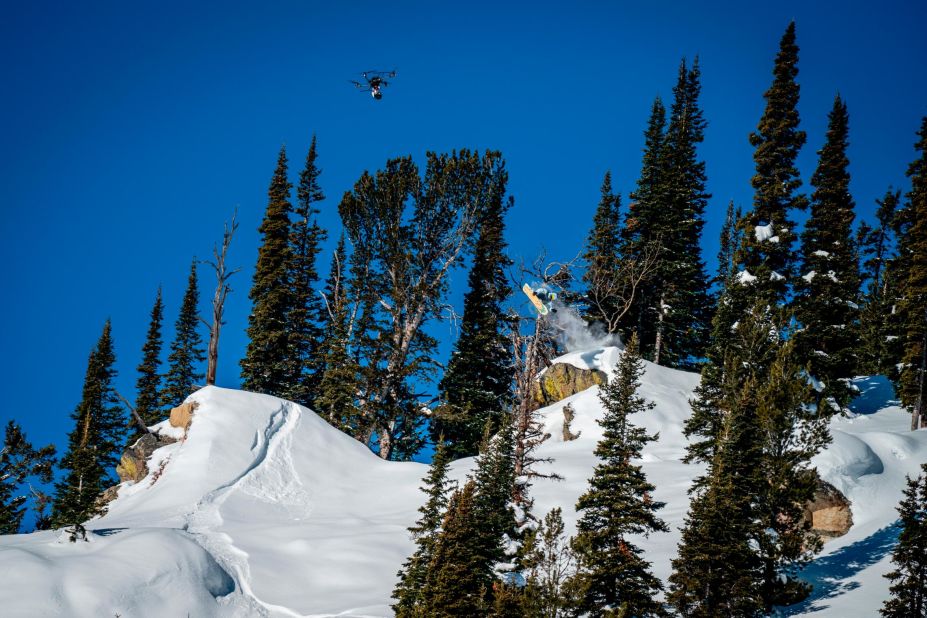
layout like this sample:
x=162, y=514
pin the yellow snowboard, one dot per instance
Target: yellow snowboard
x=541, y=307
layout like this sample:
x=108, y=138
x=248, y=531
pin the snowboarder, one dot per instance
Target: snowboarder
x=541, y=298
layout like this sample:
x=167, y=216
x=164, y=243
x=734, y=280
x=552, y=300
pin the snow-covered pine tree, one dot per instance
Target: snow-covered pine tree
x=909, y=579
x=264, y=368
x=911, y=269
x=148, y=386
x=766, y=258
x=477, y=386
x=18, y=462
x=612, y=574
x=304, y=324
x=184, y=363
x=827, y=293
x=94, y=443
x=414, y=573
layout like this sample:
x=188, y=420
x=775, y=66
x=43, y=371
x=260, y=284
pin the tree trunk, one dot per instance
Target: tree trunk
x=658, y=344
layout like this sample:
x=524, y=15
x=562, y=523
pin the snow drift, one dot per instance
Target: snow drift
x=266, y=510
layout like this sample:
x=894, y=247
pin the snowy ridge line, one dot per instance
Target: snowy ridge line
x=203, y=522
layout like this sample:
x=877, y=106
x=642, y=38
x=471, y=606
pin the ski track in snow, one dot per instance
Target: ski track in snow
x=271, y=469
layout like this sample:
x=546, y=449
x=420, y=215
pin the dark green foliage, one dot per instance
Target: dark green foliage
x=148, y=397
x=94, y=443
x=547, y=562
x=827, y=293
x=612, y=574
x=303, y=323
x=767, y=253
x=911, y=270
x=187, y=354
x=717, y=572
x=604, y=301
x=458, y=583
x=265, y=367
x=876, y=318
x=671, y=308
x=338, y=384
x=909, y=579
x=495, y=487
x=730, y=240
x=18, y=462
x=477, y=386
x=414, y=572
x=407, y=233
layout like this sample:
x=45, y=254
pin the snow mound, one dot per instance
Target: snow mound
x=266, y=510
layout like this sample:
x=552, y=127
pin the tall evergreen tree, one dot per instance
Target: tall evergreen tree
x=187, y=353
x=305, y=330
x=643, y=228
x=477, y=386
x=94, y=443
x=827, y=293
x=717, y=572
x=457, y=582
x=148, y=385
x=603, y=257
x=335, y=399
x=875, y=246
x=684, y=304
x=729, y=241
x=265, y=366
x=612, y=575
x=19, y=461
x=766, y=258
x=911, y=267
x=909, y=579
x=414, y=572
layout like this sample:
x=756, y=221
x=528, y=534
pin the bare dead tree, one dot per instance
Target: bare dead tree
x=223, y=274
x=612, y=290
x=134, y=413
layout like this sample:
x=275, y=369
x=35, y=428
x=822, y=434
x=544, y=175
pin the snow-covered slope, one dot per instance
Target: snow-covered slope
x=266, y=510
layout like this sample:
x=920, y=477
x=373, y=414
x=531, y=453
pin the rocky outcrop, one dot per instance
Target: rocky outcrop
x=829, y=512
x=133, y=466
x=562, y=380
x=182, y=415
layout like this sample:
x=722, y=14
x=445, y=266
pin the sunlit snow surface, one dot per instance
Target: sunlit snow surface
x=265, y=510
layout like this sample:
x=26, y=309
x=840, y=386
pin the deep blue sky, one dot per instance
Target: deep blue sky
x=131, y=131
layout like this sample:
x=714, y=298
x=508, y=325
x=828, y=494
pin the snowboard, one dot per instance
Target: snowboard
x=541, y=307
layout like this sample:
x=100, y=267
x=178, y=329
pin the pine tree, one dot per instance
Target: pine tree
x=643, y=228
x=684, y=306
x=602, y=258
x=875, y=246
x=335, y=399
x=265, y=368
x=911, y=267
x=305, y=331
x=457, y=581
x=909, y=579
x=186, y=349
x=729, y=241
x=19, y=461
x=148, y=397
x=717, y=572
x=827, y=293
x=94, y=443
x=493, y=503
x=612, y=574
x=477, y=386
x=414, y=572
x=548, y=561
x=766, y=257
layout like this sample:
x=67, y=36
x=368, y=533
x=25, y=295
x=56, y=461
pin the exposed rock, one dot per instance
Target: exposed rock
x=568, y=415
x=108, y=495
x=182, y=415
x=829, y=512
x=133, y=466
x=562, y=380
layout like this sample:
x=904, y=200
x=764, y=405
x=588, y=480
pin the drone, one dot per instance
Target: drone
x=375, y=81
